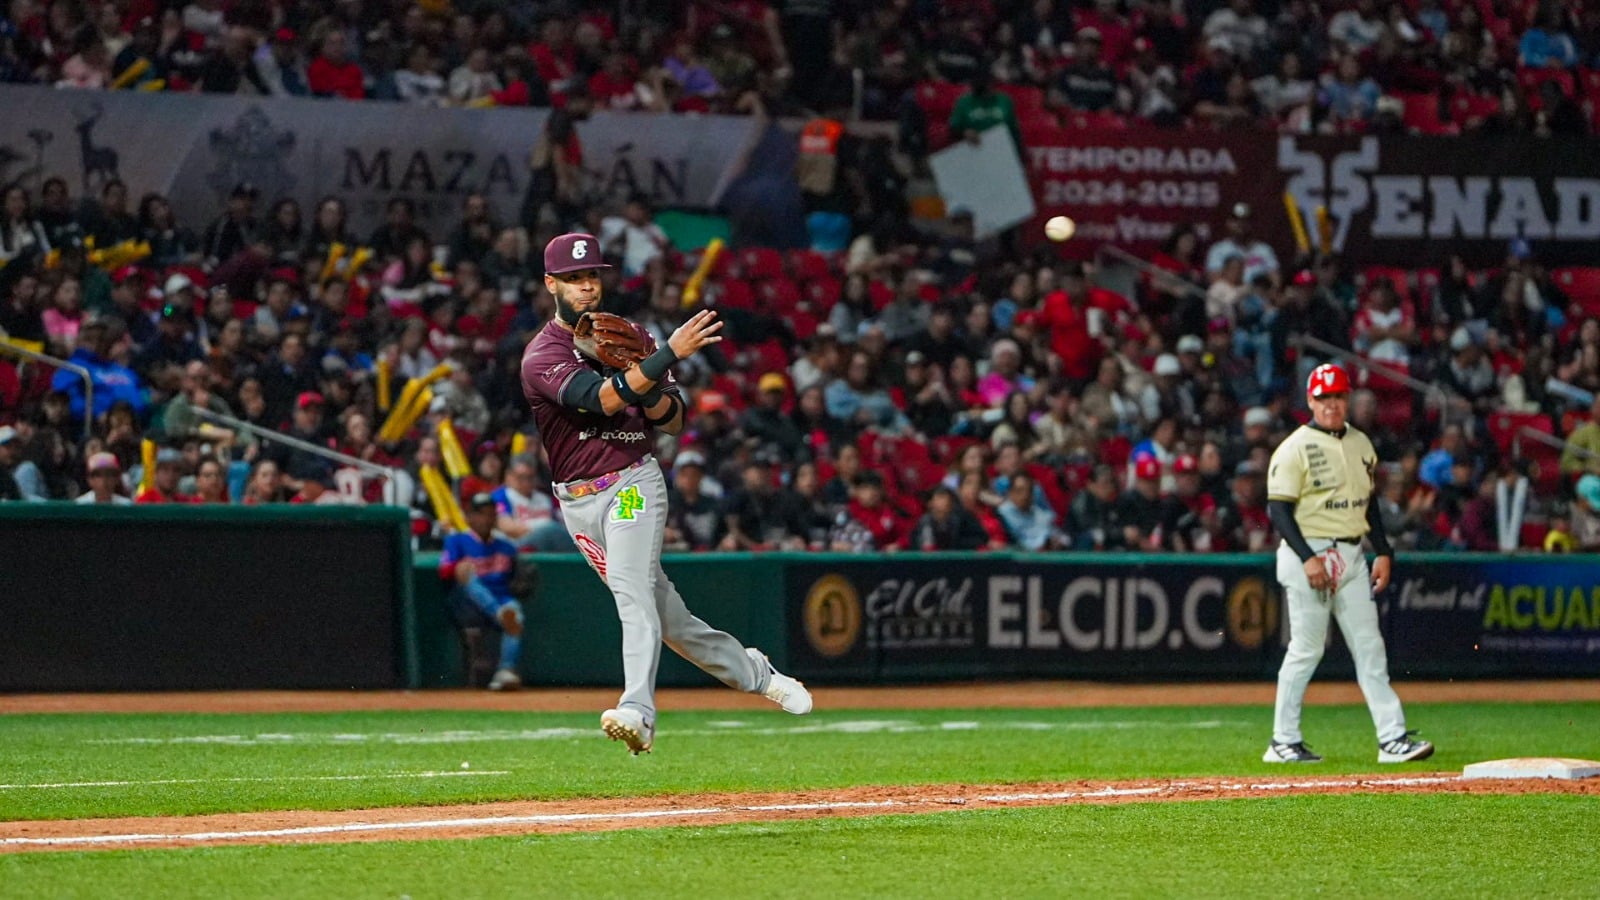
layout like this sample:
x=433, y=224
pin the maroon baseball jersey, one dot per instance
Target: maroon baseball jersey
x=580, y=444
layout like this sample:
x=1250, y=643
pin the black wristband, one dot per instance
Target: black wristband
x=624, y=390
x=655, y=365
x=651, y=397
x=671, y=413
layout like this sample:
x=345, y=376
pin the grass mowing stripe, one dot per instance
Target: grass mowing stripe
x=90, y=784
x=1464, y=847
x=688, y=759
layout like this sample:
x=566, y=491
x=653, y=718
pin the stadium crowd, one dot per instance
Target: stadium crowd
x=919, y=389
x=1434, y=66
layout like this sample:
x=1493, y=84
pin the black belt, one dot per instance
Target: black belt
x=1341, y=540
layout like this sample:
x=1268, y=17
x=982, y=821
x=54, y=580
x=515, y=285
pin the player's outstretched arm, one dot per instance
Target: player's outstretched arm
x=630, y=386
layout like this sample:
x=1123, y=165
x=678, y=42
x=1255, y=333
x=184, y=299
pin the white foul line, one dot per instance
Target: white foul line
x=89, y=784
x=637, y=815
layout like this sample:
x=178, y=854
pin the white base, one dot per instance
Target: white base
x=1534, y=767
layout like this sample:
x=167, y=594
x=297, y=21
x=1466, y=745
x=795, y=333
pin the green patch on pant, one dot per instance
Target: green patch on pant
x=629, y=503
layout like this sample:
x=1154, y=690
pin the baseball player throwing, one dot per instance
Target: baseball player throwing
x=1320, y=498
x=600, y=389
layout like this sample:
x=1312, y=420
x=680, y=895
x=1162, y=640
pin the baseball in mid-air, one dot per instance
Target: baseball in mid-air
x=1060, y=228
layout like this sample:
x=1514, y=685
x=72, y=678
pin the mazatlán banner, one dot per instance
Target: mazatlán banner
x=982, y=616
x=1403, y=201
x=196, y=147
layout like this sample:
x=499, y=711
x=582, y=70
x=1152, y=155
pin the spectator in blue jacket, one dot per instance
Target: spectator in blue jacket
x=482, y=565
x=1546, y=44
x=98, y=342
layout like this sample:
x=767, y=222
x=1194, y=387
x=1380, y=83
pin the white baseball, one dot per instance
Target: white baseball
x=1060, y=228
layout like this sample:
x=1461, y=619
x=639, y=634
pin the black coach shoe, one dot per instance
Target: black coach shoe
x=1404, y=749
x=1296, y=752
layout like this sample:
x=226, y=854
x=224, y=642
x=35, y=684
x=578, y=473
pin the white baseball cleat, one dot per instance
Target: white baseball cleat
x=505, y=680
x=783, y=690
x=629, y=727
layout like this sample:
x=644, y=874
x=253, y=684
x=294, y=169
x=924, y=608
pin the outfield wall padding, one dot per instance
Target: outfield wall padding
x=148, y=598
x=193, y=598
x=930, y=617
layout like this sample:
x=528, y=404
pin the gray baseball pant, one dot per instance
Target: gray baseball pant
x=619, y=532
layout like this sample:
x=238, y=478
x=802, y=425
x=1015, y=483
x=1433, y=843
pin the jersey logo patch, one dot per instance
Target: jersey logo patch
x=628, y=505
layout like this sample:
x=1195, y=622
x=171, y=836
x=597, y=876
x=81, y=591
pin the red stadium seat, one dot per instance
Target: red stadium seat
x=735, y=294
x=938, y=100
x=806, y=265
x=1531, y=79
x=948, y=449
x=1401, y=278
x=1025, y=98
x=778, y=296
x=1582, y=284
x=1422, y=114
x=820, y=294
x=802, y=323
x=761, y=263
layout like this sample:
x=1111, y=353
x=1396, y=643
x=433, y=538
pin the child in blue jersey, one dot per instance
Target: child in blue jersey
x=482, y=566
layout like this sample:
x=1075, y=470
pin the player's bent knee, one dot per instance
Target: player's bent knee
x=510, y=617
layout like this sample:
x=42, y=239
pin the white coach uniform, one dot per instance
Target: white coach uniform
x=1330, y=480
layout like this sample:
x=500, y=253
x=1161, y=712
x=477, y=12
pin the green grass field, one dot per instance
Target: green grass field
x=78, y=766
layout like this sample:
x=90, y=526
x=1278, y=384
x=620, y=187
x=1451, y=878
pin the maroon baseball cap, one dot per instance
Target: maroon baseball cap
x=573, y=253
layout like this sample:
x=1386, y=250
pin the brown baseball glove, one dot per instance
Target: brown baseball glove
x=609, y=338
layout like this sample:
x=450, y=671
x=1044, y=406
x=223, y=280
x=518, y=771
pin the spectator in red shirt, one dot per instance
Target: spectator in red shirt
x=164, y=489
x=867, y=512
x=332, y=73
x=554, y=55
x=1066, y=314
x=615, y=85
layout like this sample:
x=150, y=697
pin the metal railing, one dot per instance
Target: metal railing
x=1429, y=390
x=398, y=486
x=1167, y=278
x=268, y=434
x=80, y=371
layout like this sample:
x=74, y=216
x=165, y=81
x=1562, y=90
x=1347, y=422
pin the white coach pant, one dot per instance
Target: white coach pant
x=1350, y=601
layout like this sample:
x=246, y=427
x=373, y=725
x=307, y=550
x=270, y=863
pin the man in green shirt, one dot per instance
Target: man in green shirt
x=982, y=108
x=1584, y=437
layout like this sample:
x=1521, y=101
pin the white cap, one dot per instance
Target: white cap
x=1190, y=343
x=1257, y=415
x=689, y=458
x=7, y=434
x=176, y=282
x=1167, y=364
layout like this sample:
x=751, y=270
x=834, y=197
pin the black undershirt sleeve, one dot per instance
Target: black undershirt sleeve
x=1281, y=512
x=583, y=391
x=1379, y=539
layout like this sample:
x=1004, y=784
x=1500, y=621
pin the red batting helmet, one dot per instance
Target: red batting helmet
x=1327, y=379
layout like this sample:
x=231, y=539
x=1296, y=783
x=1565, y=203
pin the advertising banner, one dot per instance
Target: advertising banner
x=196, y=147
x=1147, y=617
x=986, y=616
x=1408, y=201
x=1503, y=615
x=1404, y=201
x=1132, y=187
